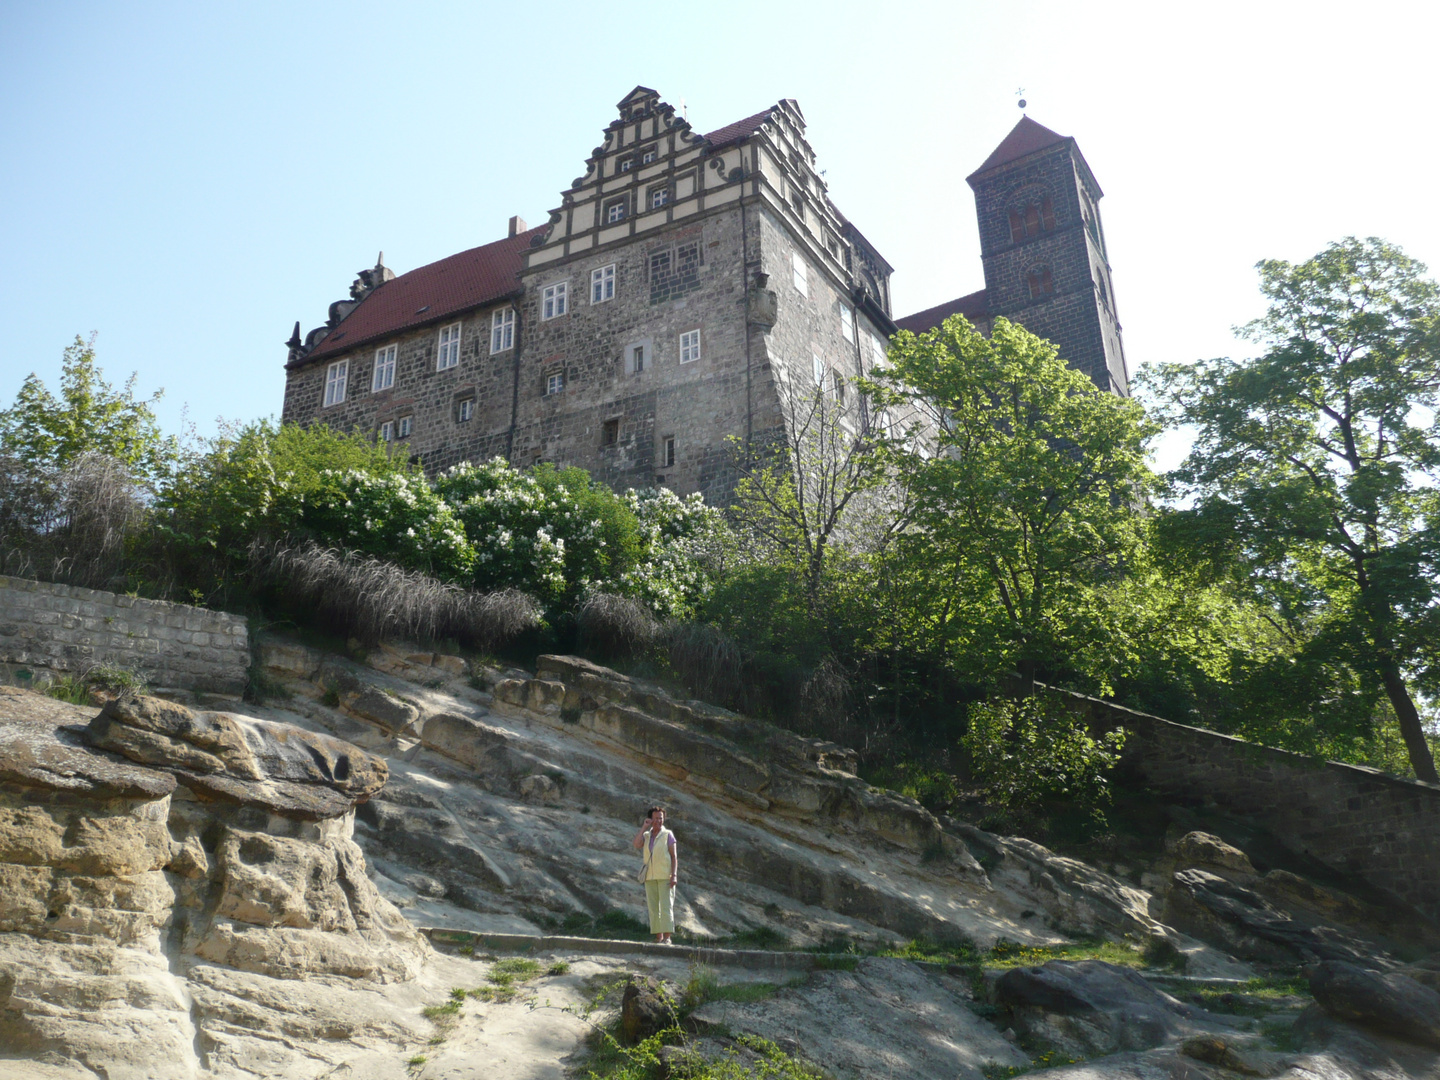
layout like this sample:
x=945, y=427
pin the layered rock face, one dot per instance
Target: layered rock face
x=147, y=849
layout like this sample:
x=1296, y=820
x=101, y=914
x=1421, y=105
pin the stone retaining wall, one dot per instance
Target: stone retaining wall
x=1353, y=819
x=66, y=628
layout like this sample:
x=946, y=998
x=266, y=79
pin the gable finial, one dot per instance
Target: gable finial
x=1020, y=93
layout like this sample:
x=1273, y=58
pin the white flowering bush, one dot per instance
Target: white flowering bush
x=550, y=532
x=396, y=516
x=681, y=543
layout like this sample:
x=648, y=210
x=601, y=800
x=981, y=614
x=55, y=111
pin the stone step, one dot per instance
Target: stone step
x=538, y=943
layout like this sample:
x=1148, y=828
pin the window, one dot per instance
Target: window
x=667, y=452
x=877, y=348
x=689, y=346
x=837, y=387
x=387, y=431
x=627, y=163
x=384, y=369
x=465, y=409
x=647, y=155
x=797, y=265
x=847, y=322
x=610, y=433
x=335, y=376
x=554, y=383
x=659, y=196
x=1040, y=282
x=449, y=353
x=817, y=368
x=635, y=361
x=1032, y=219
x=407, y=425
x=615, y=210
x=502, y=330
x=602, y=284
x=552, y=300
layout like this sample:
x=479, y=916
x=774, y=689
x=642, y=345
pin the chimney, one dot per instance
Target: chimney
x=517, y=225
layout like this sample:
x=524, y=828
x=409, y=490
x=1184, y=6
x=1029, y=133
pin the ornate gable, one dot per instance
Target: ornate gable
x=650, y=169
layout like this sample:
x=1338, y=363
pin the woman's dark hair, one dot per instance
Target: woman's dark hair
x=651, y=812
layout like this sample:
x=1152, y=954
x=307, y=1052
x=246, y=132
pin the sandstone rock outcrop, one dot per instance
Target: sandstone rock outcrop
x=150, y=841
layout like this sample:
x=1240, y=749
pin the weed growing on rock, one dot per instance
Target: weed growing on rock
x=559, y=967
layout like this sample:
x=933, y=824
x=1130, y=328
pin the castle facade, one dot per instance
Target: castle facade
x=683, y=284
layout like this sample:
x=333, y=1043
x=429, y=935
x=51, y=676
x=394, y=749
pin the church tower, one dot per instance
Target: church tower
x=1043, y=249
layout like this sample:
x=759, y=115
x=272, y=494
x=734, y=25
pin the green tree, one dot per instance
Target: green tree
x=1028, y=511
x=89, y=416
x=1314, y=467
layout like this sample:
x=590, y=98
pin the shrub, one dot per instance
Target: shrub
x=1040, y=748
x=252, y=485
x=395, y=516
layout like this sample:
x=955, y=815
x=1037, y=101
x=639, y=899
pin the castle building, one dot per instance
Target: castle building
x=682, y=287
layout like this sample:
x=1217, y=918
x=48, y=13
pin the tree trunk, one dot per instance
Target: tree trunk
x=1410, y=727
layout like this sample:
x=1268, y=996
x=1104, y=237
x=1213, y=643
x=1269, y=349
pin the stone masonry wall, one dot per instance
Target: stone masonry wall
x=1353, y=819
x=65, y=628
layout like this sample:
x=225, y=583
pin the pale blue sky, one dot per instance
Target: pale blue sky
x=188, y=179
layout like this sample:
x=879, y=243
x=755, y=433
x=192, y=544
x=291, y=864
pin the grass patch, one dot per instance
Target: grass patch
x=1256, y=997
x=1010, y=954
x=441, y=1012
x=559, y=967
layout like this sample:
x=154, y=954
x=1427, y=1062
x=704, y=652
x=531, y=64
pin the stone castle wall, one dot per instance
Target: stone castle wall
x=1353, y=819
x=65, y=628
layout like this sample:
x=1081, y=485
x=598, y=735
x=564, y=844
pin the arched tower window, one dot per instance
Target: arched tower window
x=1041, y=282
x=1032, y=218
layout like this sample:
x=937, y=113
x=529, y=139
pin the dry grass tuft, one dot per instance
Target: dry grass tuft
x=370, y=599
x=68, y=524
x=617, y=625
x=709, y=662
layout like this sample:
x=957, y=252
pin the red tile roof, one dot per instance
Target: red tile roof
x=973, y=306
x=731, y=133
x=427, y=294
x=1025, y=138
x=468, y=280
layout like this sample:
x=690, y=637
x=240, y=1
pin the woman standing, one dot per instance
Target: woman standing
x=660, y=865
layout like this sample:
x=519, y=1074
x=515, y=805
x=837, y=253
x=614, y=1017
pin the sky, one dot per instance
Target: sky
x=186, y=180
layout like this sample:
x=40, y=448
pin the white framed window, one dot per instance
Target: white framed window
x=667, y=452
x=635, y=359
x=847, y=322
x=448, y=355
x=659, y=196
x=877, y=348
x=797, y=266
x=615, y=211
x=387, y=431
x=689, y=346
x=817, y=368
x=554, y=383
x=465, y=410
x=647, y=155
x=384, y=369
x=502, y=330
x=627, y=163
x=602, y=284
x=405, y=427
x=553, y=299
x=335, y=377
